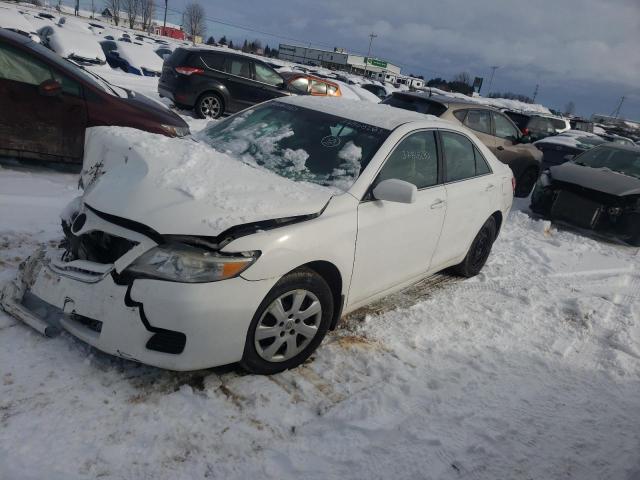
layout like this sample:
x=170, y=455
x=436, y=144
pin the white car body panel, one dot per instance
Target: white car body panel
x=376, y=246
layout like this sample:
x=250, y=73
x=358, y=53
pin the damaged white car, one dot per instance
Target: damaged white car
x=249, y=245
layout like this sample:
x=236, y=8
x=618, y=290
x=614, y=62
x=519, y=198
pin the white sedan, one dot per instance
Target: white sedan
x=249, y=245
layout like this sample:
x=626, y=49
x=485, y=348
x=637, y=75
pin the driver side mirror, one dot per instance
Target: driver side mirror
x=524, y=139
x=395, y=190
x=50, y=88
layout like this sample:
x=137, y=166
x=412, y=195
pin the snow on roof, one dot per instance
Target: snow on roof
x=70, y=42
x=376, y=114
x=140, y=56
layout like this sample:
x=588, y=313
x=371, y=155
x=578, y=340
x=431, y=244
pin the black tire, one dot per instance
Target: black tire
x=205, y=106
x=479, y=250
x=299, y=280
x=525, y=182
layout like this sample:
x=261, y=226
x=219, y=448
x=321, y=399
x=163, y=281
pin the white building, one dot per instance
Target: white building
x=339, y=59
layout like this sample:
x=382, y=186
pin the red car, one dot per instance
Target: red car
x=46, y=103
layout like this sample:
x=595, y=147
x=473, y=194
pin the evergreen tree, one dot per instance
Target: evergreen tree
x=245, y=46
x=211, y=41
x=223, y=40
x=231, y=44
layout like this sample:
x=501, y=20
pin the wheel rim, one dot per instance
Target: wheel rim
x=481, y=248
x=288, y=325
x=210, y=107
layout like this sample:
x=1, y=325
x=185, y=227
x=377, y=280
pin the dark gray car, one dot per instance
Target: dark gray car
x=597, y=190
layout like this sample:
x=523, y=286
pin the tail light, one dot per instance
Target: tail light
x=189, y=70
x=525, y=131
x=513, y=184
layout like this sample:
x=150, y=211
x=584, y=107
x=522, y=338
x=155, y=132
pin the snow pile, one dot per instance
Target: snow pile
x=574, y=139
x=13, y=20
x=494, y=102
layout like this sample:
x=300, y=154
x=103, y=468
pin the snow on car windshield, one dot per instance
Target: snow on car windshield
x=299, y=143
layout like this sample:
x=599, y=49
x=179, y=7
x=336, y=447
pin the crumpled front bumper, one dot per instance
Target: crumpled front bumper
x=126, y=320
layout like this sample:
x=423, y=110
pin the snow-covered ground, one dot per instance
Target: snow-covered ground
x=529, y=371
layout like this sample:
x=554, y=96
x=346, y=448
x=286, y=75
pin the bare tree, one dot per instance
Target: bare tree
x=93, y=9
x=569, y=108
x=114, y=6
x=132, y=9
x=463, y=77
x=194, y=21
x=147, y=10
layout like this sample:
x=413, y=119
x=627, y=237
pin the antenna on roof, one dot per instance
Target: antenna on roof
x=616, y=112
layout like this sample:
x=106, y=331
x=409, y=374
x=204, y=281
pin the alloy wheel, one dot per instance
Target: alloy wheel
x=288, y=325
x=210, y=107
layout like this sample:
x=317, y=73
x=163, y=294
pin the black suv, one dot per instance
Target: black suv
x=213, y=81
x=537, y=126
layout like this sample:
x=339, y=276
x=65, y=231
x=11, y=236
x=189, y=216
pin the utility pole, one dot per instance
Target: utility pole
x=366, y=60
x=616, y=112
x=535, y=93
x=164, y=26
x=493, y=71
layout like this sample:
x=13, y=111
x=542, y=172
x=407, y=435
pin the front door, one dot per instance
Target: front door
x=396, y=241
x=271, y=84
x=244, y=91
x=36, y=125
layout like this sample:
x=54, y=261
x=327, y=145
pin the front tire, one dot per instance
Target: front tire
x=289, y=324
x=209, y=105
x=479, y=251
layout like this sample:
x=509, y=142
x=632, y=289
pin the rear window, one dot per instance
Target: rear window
x=415, y=104
x=558, y=124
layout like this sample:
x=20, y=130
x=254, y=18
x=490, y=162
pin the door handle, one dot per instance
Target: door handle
x=500, y=147
x=490, y=187
x=438, y=204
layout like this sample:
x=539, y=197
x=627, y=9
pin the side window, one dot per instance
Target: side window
x=414, y=160
x=265, y=74
x=318, y=88
x=69, y=86
x=15, y=65
x=482, y=167
x=460, y=159
x=213, y=60
x=239, y=67
x=460, y=114
x=504, y=128
x=479, y=120
x=300, y=84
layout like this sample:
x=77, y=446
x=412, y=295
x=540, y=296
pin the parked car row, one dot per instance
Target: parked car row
x=52, y=101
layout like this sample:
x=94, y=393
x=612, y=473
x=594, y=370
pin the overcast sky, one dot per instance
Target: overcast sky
x=585, y=51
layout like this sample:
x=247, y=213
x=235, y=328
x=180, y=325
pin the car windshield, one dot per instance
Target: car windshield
x=298, y=143
x=616, y=159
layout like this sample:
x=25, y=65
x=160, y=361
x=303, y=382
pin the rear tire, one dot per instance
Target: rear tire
x=526, y=182
x=479, y=250
x=289, y=324
x=209, y=105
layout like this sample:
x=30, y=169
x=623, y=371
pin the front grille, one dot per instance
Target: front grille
x=99, y=247
x=578, y=210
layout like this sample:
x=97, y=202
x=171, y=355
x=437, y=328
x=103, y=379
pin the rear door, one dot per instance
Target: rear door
x=33, y=124
x=396, y=241
x=471, y=191
x=244, y=90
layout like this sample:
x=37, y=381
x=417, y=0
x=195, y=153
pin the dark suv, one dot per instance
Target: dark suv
x=537, y=126
x=213, y=82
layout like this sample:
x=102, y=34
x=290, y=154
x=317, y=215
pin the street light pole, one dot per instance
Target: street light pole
x=493, y=71
x=371, y=37
x=164, y=26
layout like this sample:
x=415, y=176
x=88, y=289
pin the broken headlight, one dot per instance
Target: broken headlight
x=183, y=263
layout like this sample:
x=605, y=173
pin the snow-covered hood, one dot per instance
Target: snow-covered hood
x=180, y=187
x=600, y=179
